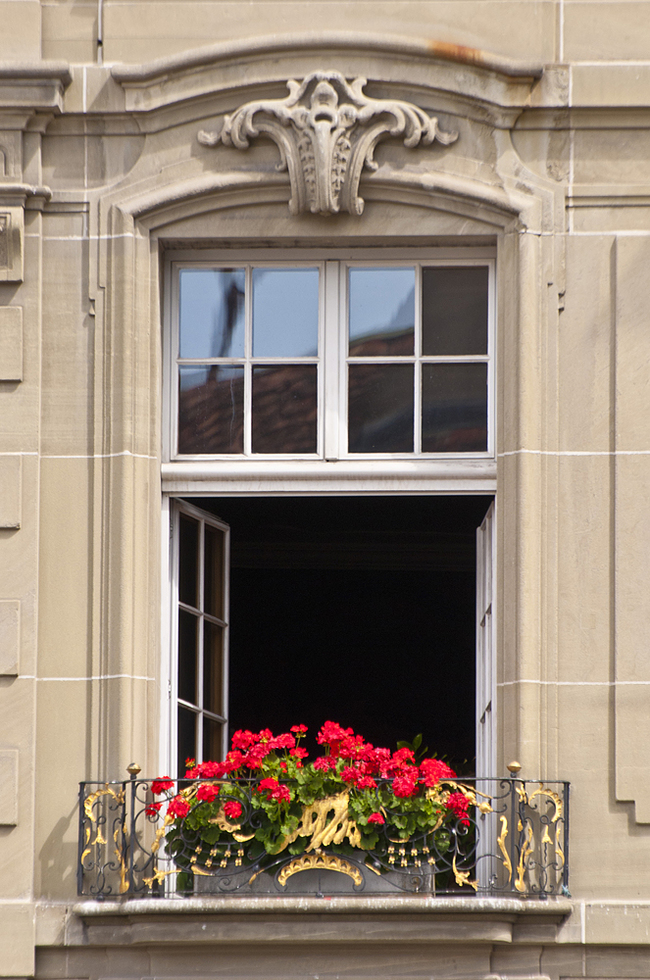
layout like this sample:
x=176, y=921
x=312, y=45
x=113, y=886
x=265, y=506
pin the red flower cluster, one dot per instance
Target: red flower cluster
x=458, y=804
x=365, y=762
x=207, y=792
x=232, y=809
x=178, y=807
x=274, y=791
x=160, y=785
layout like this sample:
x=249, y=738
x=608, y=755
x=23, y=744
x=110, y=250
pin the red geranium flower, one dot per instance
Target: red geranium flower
x=161, y=784
x=349, y=774
x=232, y=809
x=152, y=809
x=298, y=729
x=332, y=734
x=366, y=782
x=433, y=770
x=178, y=807
x=376, y=818
x=405, y=784
x=207, y=792
x=458, y=804
x=243, y=739
x=325, y=762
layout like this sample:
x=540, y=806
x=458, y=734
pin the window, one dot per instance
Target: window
x=332, y=358
x=201, y=626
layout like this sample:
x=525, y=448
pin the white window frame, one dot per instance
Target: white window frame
x=332, y=384
x=172, y=512
x=331, y=473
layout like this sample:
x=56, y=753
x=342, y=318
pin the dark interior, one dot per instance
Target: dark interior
x=358, y=610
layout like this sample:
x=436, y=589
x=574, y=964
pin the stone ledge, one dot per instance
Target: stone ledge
x=281, y=920
x=356, y=905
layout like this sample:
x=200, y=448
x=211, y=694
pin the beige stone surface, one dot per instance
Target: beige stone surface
x=9, y=636
x=130, y=28
x=16, y=939
x=602, y=31
x=20, y=38
x=10, y=491
x=11, y=343
x=9, y=783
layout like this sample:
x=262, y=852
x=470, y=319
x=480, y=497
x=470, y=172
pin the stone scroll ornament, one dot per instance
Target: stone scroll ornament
x=326, y=131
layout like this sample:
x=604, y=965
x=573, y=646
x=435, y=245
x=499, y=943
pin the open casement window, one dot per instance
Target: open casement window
x=308, y=358
x=201, y=574
x=485, y=648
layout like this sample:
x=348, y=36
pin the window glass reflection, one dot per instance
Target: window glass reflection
x=211, y=313
x=381, y=312
x=285, y=409
x=211, y=409
x=454, y=408
x=285, y=312
x=380, y=408
x=455, y=310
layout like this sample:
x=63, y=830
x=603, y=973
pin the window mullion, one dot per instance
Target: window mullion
x=330, y=359
x=248, y=353
x=417, y=350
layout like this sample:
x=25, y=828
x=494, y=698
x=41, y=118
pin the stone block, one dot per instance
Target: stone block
x=10, y=490
x=9, y=637
x=9, y=784
x=11, y=343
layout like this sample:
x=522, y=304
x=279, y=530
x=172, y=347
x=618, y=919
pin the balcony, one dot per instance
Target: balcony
x=511, y=842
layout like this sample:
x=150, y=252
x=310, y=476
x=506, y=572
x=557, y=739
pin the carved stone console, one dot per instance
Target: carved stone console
x=326, y=130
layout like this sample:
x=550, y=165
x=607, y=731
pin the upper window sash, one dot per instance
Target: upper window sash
x=325, y=374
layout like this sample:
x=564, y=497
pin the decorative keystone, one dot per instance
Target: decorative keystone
x=326, y=131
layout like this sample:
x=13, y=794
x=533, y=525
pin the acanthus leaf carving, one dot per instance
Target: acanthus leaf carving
x=326, y=130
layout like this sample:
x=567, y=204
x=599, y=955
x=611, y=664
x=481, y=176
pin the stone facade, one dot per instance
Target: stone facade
x=103, y=172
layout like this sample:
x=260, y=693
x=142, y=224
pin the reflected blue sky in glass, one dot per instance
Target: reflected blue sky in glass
x=381, y=302
x=212, y=313
x=285, y=312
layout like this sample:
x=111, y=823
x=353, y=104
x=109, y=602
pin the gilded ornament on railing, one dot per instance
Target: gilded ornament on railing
x=326, y=821
x=325, y=862
x=326, y=130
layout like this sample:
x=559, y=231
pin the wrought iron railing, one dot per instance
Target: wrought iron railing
x=513, y=841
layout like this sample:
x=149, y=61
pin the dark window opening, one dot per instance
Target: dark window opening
x=356, y=609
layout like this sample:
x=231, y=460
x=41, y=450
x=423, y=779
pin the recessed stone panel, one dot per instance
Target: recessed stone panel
x=9, y=636
x=11, y=244
x=11, y=343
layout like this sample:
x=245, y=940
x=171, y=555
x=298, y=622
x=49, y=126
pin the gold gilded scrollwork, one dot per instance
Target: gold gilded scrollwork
x=90, y=801
x=462, y=877
x=527, y=848
x=223, y=823
x=326, y=822
x=501, y=841
x=328, y=862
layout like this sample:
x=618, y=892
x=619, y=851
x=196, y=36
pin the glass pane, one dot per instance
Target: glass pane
x=454, y=408
x=212, y=668
x=455, y=310
x=285, y=312
x=188, y=546
x=382, y=312
x=213, y=584
x=380, y=408
x=211, y=409
x=186, y=738
x=211, y=740
x=187, y=624
x=211, y=313
x=284, y=409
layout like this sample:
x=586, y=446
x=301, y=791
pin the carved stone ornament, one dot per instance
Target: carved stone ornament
x=327, y=131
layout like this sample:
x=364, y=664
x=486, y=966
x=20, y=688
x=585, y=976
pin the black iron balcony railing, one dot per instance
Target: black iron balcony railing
x=512, y=840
